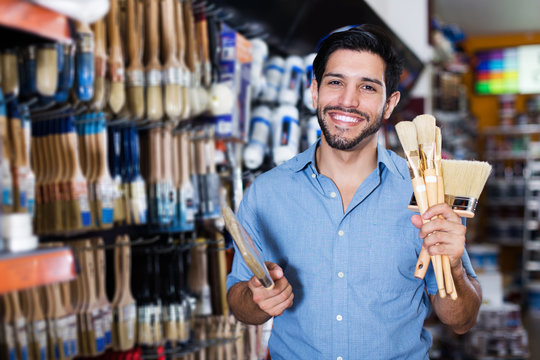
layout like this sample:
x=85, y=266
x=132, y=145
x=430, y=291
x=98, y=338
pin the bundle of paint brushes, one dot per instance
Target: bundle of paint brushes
x=458, y=183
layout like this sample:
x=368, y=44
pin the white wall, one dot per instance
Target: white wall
x=409, y=20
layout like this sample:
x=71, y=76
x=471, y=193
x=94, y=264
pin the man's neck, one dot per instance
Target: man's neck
x=351, y=166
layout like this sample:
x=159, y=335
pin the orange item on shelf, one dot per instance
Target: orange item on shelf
x=25, y=270
x=35, y=19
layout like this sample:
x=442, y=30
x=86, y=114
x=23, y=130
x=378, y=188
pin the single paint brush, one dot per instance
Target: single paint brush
x=135, y=69
x=117, y=95
x=173, y=106
x=84, y=62
x=183, y=72
x=10, y=77
x=154, y=97
x=425, y=130
x=100, y=65
x=464, y=182
x=406, y=131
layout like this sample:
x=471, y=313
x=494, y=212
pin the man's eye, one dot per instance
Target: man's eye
x=334, y=82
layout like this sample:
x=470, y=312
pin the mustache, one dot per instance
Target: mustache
x=326, y=109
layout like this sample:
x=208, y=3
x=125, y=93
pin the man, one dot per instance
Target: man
x=333, y=223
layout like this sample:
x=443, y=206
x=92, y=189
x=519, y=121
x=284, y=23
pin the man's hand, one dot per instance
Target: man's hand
x=272, y=301
x=442, y=236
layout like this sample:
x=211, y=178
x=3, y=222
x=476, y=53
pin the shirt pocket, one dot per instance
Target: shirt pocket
x=393, y=252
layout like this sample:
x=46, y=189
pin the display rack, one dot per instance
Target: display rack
x=35, y=268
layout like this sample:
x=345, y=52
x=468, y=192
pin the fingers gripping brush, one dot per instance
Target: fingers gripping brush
x=84, y=60
x=425, y=130
x=117, y=95
x=447, y=269
x=406, y=132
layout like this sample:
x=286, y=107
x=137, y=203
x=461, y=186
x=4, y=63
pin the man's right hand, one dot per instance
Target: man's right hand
x=272, y=301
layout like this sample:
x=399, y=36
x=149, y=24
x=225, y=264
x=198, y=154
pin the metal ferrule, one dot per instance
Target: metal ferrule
x=170, y=76
x=135, y=78
x=85, y=42
x=153, y=78
x=413, y=160
x=458, y=203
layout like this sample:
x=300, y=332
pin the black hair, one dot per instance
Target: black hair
x=365, y=37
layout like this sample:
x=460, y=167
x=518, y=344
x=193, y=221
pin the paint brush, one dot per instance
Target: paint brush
x=123, y=307
x=154, y=97
x=117, y=95
x=135, y=69
x=191, y=58
x=187, y=202
x=173, y=106
x=56, y=165
x=71, y=318
x=100, y=65
x=138, y=201
x=102, y=302
x=426, y=130
x=38, y=326
x=66, y=76
x=464, y=182
x=198, y=277
x=183, y=73
x=114, y=155
x=6, y=160
x=406, y=131
x=84, y=60
x=18, y=323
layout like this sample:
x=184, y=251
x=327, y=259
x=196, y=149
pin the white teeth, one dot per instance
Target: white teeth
x=345, y=118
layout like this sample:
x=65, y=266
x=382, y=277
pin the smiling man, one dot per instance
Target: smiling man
x=333, y=223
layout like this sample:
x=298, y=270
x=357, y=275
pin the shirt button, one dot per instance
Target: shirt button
x=339, y=358
x=340, y=274
x=313, y=176
x=339, y=318
x=341, y=232
x=333, y=194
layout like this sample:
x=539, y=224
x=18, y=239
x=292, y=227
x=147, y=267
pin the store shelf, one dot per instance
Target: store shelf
x=511, y=155
x=512, y=130
x=21, y=15
x=532, y=266
x=532, y=245
x=29, y=269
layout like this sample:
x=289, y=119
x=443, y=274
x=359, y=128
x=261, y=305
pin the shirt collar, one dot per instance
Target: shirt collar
x=308, y=157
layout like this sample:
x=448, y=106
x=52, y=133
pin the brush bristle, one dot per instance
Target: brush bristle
x=465, y=178
x=117, y=97
x=154, y=102
x=425, y=128
x=438, y=143
x=98, y=101
x=406, y=132
x=136, y=101
x=172, y=101
x=47, y=71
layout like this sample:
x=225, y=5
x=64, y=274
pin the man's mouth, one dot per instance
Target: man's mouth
x=342, y=119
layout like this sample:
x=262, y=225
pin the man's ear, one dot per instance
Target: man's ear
x=391, y=103
x=314, y=92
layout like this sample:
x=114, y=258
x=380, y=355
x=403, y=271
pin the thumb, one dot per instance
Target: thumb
x=276, y=272
x=417, y=221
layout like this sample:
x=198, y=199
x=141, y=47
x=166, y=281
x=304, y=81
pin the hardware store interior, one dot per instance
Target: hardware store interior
x=128, y=127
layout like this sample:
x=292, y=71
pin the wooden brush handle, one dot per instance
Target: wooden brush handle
x=200, y=155
x=116, y=60
x=37, y=306
x=180, y=33
x=153, y=35
x=155, y=149
x=99, y=259
x=168, y=33
x=189, y=26
x=127, y=297
x=117, y=270
x=167, y=167
x=175, y=159
x=419, y=189
x=90, y=273
x=133, y=36
x=183, y=148
x=100, y=49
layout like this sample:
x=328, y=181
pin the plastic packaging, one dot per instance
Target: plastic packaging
x=313, y=130
x=286, y=133
x=259, y=135
x=259, y=53
x=308, y=78
x=291, y=80
x=273, y=73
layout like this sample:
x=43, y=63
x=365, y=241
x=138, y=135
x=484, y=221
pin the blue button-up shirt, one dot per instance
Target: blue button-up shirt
x=352, y=273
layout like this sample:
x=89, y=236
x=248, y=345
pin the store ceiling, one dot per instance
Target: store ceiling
x=490, y=17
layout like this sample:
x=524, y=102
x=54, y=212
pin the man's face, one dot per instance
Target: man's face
x=351, y=100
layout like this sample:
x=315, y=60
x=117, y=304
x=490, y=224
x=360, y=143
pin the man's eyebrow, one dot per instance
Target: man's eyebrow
x=341, y=76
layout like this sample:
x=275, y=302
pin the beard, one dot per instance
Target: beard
x=338, y=141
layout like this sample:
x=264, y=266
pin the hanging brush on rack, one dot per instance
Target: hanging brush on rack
x=117, y=96
x=135, y=69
